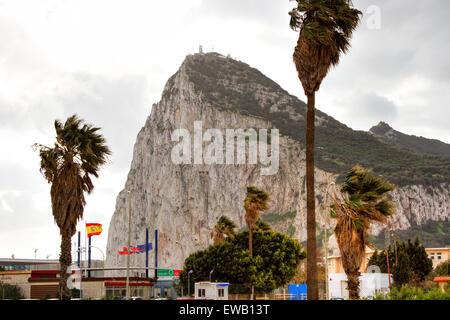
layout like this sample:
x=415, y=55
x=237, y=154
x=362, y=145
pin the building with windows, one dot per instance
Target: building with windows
x=438, y=255
x=211, y=290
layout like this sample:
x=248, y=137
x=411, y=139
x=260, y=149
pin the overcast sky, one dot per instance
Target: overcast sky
x=108, y=61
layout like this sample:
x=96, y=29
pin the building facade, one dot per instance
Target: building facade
x=438, y=255
x=335, y=263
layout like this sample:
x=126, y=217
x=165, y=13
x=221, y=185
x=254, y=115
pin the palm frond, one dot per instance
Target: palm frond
x=78, y=154
x=326, y=27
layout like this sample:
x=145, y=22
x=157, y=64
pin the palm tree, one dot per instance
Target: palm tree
x=365, y=200
x=326, y=27
x=224, y=227
x=262, y=225
x=255, y=202
x=77, y=155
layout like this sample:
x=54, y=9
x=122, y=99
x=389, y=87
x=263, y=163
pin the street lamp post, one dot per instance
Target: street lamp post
x=210, y=273
x=129, y=245
x=327, y=290
x=189, y=283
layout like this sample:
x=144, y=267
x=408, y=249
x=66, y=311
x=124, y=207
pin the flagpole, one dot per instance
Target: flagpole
x=129, y=240
x=146, y=252
x=85, y=247
x=79, y=248
x=89, y=257
x=80, y=258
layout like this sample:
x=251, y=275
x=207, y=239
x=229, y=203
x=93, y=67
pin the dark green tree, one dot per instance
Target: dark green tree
x=401, y=270
x=420, y=264
x=274, y=262
x=379, y=259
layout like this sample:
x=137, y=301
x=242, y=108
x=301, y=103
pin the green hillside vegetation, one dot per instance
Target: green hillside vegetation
x=385, y=133
x=432, y=234
x=275, y=217
x=232, y=85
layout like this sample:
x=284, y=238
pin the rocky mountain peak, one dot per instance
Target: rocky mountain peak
x=184, y=201
x=383, y=129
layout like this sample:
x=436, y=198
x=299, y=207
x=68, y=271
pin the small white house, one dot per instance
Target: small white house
x=211, y=290
x=370, y=284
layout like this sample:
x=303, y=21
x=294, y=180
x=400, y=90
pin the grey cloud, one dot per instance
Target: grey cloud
x=16, y=177
x=119, y=106
x=411, y=39
x=368, y=108
x=258, y=10
x=24, y=213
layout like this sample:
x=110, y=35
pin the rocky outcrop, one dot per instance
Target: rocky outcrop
x=184, y=201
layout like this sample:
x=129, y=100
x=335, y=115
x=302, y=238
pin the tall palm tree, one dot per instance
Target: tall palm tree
x=326, y=27
x=365, y=200
x=224, y=227
x=254, y=203
x=77, y=155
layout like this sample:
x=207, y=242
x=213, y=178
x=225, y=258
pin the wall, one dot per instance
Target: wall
x=19, y=278
x=445, y=255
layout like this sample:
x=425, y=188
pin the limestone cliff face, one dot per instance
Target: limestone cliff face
x=184, y=201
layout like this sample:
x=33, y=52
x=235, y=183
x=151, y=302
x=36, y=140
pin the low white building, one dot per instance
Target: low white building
x=370, y=284
x=211, y=290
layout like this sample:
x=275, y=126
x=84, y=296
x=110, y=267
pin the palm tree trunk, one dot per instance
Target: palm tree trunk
x=353, y=286
x=250, y=241
x=250, y=250
x=311, y=275
x=65, y=260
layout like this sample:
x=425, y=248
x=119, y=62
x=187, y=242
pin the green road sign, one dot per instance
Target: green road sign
x=165, y=273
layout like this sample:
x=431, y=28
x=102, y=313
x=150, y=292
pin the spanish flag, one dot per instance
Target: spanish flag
x=93, y=229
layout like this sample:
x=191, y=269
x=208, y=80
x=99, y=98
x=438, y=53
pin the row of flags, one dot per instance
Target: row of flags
x=94, y=229
x=138, y=249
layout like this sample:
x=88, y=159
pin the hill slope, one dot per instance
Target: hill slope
x=228, y=84
x=385, y=133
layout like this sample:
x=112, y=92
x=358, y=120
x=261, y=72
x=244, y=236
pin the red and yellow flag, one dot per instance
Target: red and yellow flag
x=93, y=229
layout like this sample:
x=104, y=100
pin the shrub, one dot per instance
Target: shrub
x=413, y=293
x=9, y=291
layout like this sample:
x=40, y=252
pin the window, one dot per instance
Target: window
x=115, y=291
x=439, y=255
x=201, y=292
x=110, y=292
x=432, y=256
x=221, y=292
